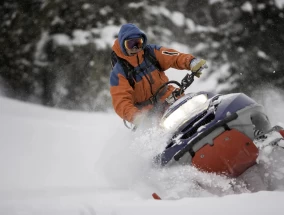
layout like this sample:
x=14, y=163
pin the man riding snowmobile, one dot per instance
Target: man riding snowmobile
x=138, y=73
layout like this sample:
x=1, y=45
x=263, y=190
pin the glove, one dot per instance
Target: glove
x=197, y=65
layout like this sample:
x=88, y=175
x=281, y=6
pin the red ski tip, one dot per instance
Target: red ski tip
x=155, y=196
x=282, y=132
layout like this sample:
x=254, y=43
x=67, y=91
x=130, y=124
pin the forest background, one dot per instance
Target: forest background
x=57, y=52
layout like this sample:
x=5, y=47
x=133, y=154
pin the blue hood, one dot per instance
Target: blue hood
x=128, y=31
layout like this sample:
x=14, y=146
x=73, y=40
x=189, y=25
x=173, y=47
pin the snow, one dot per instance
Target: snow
x=136, y=5
x=190, y=24
x=107, y=35
x=160, y=10
x=66, y=162
x=247, y=6
x=178, y=18
x=86, y=6
x=104, y=37
x=81, y=37
x=262, y=54
x=62, y=39
x=215, y=1
x=279, y=3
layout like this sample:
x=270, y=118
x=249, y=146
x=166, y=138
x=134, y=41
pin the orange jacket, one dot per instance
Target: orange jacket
x=147, y=79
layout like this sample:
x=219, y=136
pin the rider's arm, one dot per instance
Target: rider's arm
x=170, y=58
x=122, y=97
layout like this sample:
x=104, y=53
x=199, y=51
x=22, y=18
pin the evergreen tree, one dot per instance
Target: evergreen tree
x=19, y=33
x=248, y=37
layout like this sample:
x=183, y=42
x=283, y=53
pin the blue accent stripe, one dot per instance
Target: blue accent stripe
x=114, y=79
x=141, y=70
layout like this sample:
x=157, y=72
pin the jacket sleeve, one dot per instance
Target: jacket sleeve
x=123, y=99
x=170, y=58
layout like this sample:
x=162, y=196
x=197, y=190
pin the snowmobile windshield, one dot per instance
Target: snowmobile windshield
x=185, y=112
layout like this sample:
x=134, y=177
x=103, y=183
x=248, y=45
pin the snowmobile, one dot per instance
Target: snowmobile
x=215, y=133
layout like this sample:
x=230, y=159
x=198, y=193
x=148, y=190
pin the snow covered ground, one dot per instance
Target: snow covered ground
x=65, y=162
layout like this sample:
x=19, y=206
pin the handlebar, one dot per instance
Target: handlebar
x=185, y=83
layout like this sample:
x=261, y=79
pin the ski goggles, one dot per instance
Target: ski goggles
x=135, y=43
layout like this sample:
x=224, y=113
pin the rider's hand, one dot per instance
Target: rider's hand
x=197, y=65
x=138, y=119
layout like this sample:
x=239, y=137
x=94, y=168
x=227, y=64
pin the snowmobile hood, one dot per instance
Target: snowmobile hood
x=129, y=31
x=222, y=110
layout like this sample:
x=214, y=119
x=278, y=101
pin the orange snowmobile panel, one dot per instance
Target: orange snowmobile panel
x=155, y=196
x=282, y=132
x=232, y=154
